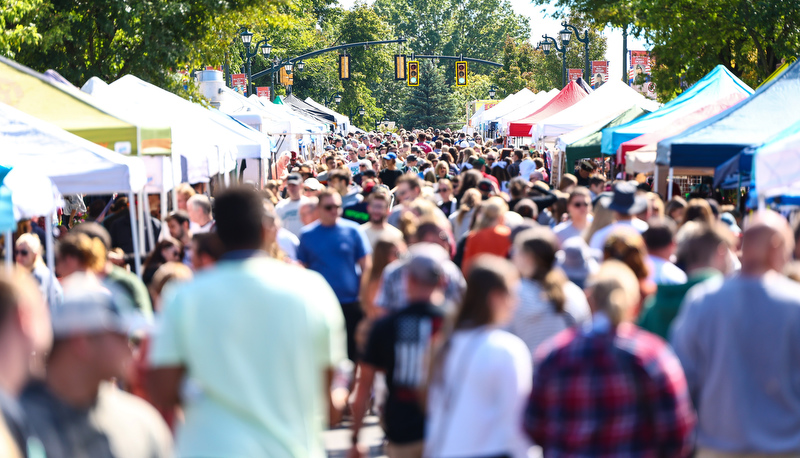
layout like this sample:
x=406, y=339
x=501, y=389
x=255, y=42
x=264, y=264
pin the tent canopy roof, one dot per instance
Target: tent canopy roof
x=570, y=95
x=604, y=104
x=74, y=165
x=776, y=164
x=768, y=112
x=589, y=145
x=717, y=84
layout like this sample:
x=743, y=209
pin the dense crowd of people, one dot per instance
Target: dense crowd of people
x=433, y=278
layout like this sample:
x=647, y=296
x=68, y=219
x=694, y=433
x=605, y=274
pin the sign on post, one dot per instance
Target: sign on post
x=239, y=83
x=262, y=91
x=599, y=73
x=574, y=73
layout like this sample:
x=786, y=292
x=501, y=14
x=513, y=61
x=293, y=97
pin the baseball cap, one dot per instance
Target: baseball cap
x=314, y=184
x=425, y=262
x=90, y=308
x=294, y=178
x=390, y=157
x=463, y=144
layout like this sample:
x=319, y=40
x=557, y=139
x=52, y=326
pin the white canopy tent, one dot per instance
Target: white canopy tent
x=74, y=165
x=343, y=122
x=541, y=99
x=601, y=106
x=507, y=105
x=219, y=139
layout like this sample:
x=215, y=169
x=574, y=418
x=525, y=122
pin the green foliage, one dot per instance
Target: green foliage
x=689, y=37
x=431, y=104
x=16, y=29
x=519, y=62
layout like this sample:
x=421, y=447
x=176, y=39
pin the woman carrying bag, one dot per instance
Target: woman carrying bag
x=481, y=374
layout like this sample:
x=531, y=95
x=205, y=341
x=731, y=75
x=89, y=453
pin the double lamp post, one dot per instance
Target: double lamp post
x=566, y=35
x=266, y=50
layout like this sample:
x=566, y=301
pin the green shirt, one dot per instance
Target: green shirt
x=255, y=337
x=660, y=309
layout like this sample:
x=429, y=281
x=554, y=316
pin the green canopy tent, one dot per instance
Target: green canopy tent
x=585, y=143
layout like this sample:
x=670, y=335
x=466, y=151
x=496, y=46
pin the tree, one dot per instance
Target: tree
x=16, y=29
x=152, y=39
x=519, y=63
x=431, y=104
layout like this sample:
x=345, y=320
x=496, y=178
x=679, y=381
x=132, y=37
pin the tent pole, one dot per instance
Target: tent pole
x=51, y=256
x=140, y=212
x=669, y=183
x=164, y=209
x=137, y=260
x=150, y=235
x=655, y=180
x=762, y=202
x=9, y=250
x=260, y=173
x=739, y=191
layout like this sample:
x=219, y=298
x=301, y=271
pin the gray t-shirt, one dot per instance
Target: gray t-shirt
x=566, y=231
x=118, y=425
x=289, y=212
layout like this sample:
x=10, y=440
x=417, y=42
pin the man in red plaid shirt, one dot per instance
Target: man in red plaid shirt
x=612, y=389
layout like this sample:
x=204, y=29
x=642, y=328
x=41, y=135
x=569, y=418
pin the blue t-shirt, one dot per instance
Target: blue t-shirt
x=334, y=252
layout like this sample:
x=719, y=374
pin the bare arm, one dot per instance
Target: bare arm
x=337, y=398
x=366, y=265
x=366, y=376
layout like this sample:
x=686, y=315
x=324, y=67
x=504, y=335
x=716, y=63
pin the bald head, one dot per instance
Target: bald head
x=767, y=243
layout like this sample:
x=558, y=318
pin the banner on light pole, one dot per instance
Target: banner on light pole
x=599, y=73
x=239, y=83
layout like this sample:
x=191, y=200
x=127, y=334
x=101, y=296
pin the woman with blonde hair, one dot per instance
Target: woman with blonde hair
x=79, y=257
x=489, y=235
x=480, y=374
x=602, y=217
x=461, y=220
x=28, y=255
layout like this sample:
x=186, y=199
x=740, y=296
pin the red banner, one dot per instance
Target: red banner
x=575, y=73
x=639, y=73
x=239, y=83
x=599, y=73
x=262, y=91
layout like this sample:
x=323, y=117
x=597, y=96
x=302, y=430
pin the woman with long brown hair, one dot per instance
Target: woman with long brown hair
x=548, y=301
x=628, y=246
x=386, y=251
x=480, y=374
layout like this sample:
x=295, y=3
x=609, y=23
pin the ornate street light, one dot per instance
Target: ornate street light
x=288, y=67
x=566, y=34
x=337, y=98
x=300, y=66
x=492, y=91
x=584, y=40
x=361, y=111
x=266, y=49
x=247, y=37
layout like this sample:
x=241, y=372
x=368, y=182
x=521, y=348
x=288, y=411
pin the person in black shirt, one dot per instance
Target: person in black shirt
x=390, y=174
x=584, y=171
x=399, y=346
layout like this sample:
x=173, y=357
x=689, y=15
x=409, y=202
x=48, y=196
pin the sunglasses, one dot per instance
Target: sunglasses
x=580, y=204
x=23, y=253
x=444, y=190
x=330, y=207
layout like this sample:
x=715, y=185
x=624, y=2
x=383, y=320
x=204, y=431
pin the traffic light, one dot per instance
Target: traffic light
x=344, y=67
x=413, y=73
x=399, y=67
x=461, y=73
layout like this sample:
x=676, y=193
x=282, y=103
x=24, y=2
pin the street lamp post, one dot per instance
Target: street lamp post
x=492, y=91
x=565, y=37
x=337, y=98
x=360, y=111
x=551, y=42
x=385, y=120
x=262, y=45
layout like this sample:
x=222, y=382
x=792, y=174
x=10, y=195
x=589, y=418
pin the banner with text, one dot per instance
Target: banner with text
x=575, y=73
x=599, y=73
x=239, y=83
x=262, y=91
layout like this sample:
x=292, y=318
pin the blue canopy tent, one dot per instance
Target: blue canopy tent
x=756, y=119
x=776, y=166
x=719, y=84
x=735, y=172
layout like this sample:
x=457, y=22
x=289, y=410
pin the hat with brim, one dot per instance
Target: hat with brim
x=625, y=200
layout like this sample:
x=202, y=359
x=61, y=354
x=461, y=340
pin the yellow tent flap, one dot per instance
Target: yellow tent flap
x=75, y=112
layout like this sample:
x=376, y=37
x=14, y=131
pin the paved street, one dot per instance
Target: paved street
x=337, y=441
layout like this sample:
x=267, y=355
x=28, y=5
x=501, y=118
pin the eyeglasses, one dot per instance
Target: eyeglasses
x=23, y=253
x=330, y=207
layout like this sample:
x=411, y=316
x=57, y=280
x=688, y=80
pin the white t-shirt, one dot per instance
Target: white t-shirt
x=288, y=242
x=475, y=406
x=599, y=237
x=665, y=272
x=289, y=212
x=526, y=167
